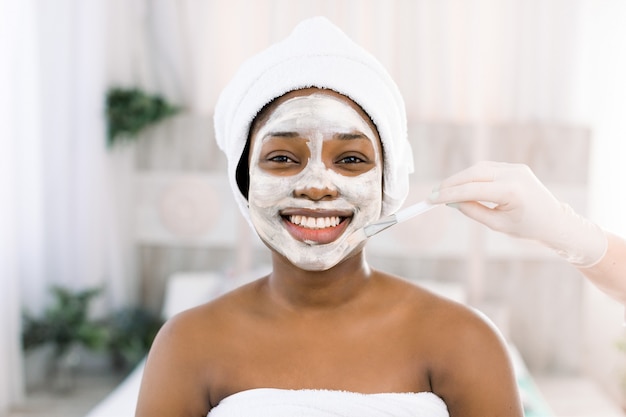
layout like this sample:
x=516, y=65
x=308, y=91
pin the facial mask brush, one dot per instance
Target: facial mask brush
x=388, y=221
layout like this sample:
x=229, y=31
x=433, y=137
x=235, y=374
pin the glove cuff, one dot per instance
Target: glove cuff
x=579, y=241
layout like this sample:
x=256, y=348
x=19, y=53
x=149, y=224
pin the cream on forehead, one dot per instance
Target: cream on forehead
x=316, y=112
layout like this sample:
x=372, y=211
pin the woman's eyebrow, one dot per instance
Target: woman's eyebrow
x=280, y=134
x=351, y=136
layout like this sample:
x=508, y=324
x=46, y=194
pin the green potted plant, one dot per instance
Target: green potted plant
x=130, y=110
x=64, y=326
x=131, y=332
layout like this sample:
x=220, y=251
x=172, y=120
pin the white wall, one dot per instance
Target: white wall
x=603, y=104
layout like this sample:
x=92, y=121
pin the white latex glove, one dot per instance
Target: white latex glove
x=518, y=204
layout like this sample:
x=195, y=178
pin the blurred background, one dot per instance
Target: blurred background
x=535, y=81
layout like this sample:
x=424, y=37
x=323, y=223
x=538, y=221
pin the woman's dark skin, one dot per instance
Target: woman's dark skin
x=349, y=328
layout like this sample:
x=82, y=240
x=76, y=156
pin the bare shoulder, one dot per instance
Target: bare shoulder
x=426, y=304
x=185, y=354
x=451, y=325
x=467, y=358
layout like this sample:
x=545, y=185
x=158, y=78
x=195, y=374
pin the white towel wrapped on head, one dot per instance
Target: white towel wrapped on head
x=266, y=402
x=317, y=54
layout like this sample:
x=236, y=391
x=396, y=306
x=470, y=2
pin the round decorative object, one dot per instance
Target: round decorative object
x=189, y=208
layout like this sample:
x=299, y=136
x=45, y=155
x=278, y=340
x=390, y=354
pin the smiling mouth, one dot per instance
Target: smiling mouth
x=315, y=223
x=316, y=228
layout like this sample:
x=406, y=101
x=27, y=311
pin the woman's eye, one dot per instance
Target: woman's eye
x=281, y=159
x=352, y=159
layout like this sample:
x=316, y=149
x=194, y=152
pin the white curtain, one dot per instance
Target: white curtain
x=53, y=198
x=18, y=84
x=54, y=93
x=19, y=185
x=71, y=146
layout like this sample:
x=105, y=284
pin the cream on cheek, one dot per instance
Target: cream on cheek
x=316, y=118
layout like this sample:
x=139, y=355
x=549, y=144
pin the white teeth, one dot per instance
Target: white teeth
x=315, y=222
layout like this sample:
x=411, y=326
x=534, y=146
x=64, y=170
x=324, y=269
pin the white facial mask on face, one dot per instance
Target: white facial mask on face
x=316, y=118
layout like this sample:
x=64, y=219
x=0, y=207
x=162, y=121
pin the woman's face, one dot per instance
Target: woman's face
x=315, y=177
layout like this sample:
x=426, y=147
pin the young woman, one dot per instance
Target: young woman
x=315, y=133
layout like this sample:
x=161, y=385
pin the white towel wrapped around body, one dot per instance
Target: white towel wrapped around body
x=328, y=403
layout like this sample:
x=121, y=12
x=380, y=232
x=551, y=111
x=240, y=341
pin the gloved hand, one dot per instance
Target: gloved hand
x=509, y=198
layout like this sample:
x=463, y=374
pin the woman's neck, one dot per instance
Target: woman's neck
x=298, y=289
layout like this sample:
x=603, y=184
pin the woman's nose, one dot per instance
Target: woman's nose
x=316, y=193
x=316, y=183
